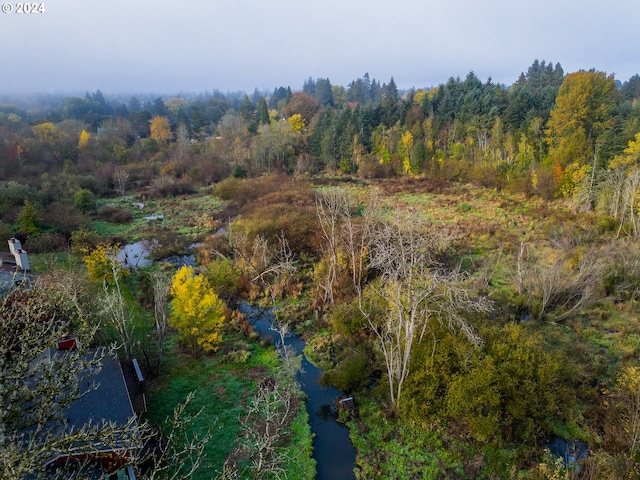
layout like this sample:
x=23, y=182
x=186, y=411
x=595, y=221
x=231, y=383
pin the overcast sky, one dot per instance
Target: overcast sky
x=167, y=47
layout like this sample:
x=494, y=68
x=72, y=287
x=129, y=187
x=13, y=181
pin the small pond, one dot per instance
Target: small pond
x=136, y=254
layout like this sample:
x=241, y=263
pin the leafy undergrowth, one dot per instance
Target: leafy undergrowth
x=388, y=448
x=190, y=215
x=221, y=389
x=498, y=236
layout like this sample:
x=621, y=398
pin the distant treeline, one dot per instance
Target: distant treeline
x=549, y=133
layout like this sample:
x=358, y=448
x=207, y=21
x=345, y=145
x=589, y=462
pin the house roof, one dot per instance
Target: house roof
x=108, y=402
x=10, y=273
x=104, y=399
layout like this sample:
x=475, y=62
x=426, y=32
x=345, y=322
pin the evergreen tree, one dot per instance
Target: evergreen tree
x=262, y=112
x=309, y=87
x=631, y=88
x=279, y=95
x=324, y=93
x=135, y=105
x=390, y=91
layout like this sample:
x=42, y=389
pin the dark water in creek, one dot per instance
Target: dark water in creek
x=332, y=449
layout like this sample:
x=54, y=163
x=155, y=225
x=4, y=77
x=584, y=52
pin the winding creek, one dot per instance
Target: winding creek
x=333, y=452
x=332, y=448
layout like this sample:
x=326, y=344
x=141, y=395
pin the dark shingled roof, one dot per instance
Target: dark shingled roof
x=104, y=399
x=109, y=402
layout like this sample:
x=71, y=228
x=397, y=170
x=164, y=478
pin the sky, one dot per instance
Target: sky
x=192, y=46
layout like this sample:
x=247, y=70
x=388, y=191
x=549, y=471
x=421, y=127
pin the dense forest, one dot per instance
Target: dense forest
x=461, y=259
x=548, y=134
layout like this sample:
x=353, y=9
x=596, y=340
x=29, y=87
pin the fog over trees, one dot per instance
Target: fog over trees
x=461, y=260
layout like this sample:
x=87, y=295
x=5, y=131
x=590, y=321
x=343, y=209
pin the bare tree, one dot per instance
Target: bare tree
x=356, y=238
x=563, y=289
x=628, y=216
x=182, y=141
x=38, y=387
x=264, y=425
x=182, y=451
x=268, y=267
x=116, y=312
x=233, y=140
x=160, y=285
x=413, y=293
x=332, y=206
x=343, y=234
x=120, y=180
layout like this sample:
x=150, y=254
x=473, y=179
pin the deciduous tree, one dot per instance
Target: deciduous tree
x=583, y=111
x=160, y=284
x=196, y=311
x=83, y=142
x=28, y=219
x=413, y=294
x=102, y=263
x=160, y=129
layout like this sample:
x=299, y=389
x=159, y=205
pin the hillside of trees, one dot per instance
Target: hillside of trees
x=548, y=134
x=461, y=259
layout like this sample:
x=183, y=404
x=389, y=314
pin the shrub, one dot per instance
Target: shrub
x=166, y=185
x=347, y=319
x=607, y=223
x=464, y=207
x=207, y=251
x=224, y=278
x=64, y=218
x=297, y=225
x=84, y=200
x=167, y=243
x=371, y=167
x=12, y=194
x=91, y=183
x=289, y=211
x=83, y=240
x=5, y=231
x=162, y=186
x=210, y=171
x=114, y=214
x=227, y=189
x=238, y=356
x=350, y=374
x=47, y=242
x=512, y=390
x=244, y=192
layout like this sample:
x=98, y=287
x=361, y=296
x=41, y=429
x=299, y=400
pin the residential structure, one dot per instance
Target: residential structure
x=14, y=267
x=104, y=399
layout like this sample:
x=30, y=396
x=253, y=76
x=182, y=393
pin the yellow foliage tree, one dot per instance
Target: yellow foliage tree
x=406, y=147
x=175, y=104
x=84, y=139
x=584, y=107
x=297, y=122
x=630, y=157
x=574, y=178
x=196, y=311
x=103, y=265
x=160, y=129
x=45, y=132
